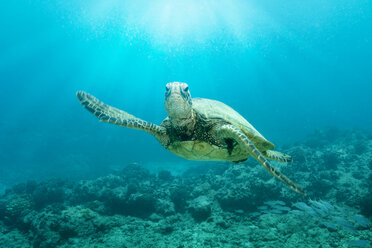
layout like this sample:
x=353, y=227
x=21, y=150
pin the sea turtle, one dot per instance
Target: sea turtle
x=198, y=129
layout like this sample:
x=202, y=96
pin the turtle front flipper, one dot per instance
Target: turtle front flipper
x=277, y=156
x=116, y=116
x=230, y=131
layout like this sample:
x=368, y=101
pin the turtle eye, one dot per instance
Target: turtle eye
x=186, y=88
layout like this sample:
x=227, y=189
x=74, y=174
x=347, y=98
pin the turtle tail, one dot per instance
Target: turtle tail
x=277, y=156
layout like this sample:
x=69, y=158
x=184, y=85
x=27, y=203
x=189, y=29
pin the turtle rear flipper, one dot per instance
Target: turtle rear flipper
x=277, y=156
x=116, y=116
x=230, y=131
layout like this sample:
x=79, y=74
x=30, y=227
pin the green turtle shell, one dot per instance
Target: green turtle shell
x=212, y=109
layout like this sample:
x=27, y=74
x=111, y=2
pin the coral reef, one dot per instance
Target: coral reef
x=222, y=205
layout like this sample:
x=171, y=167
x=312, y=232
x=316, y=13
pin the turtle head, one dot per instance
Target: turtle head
x=178, y=103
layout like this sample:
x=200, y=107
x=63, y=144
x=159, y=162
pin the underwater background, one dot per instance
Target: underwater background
x=298, y=71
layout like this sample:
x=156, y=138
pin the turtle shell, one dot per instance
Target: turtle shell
x=212, y=109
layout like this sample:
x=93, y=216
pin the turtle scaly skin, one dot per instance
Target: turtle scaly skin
x=198, y=129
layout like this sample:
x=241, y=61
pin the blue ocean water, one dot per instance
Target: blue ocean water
x=288, y=67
